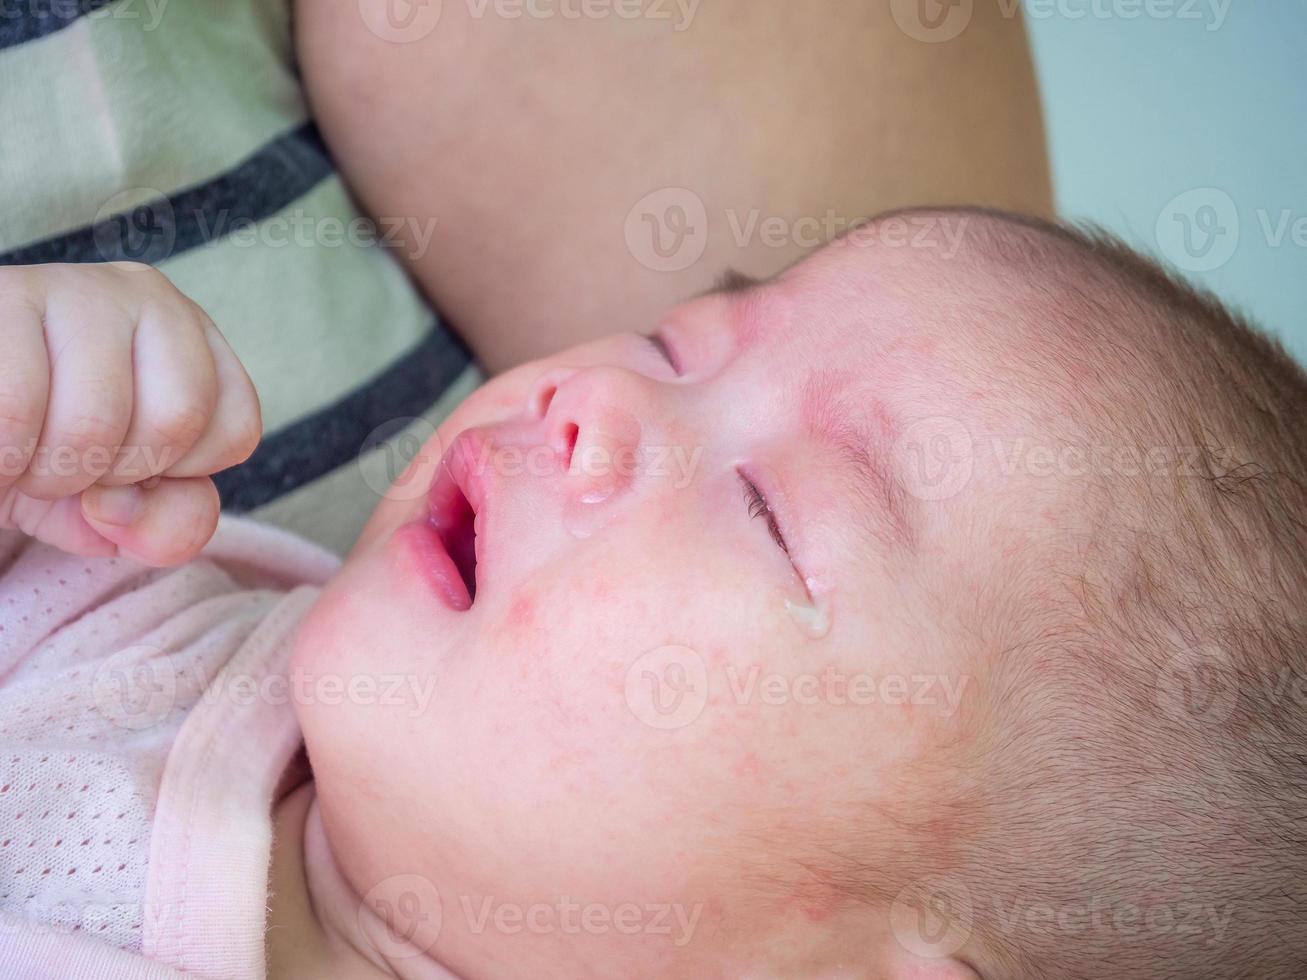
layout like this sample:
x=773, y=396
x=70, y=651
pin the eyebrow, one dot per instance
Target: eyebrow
x=865, y=464
x=732, y=282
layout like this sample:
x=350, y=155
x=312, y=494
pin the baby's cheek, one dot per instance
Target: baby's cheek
x=569, y=672
x=335, y=645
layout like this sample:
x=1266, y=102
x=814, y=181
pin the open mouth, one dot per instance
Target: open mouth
x=455, y=521
x=456, y=508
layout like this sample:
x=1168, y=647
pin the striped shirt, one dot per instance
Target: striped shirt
x=175, y=132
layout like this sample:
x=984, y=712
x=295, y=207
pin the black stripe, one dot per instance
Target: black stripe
x=336, y=435
x=26, y=20
x=279, y=173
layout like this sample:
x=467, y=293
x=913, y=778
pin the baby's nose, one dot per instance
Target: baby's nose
x=606, y=452
x=592, y=421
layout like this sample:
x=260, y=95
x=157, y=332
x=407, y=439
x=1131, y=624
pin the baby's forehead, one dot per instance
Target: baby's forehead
x=855, y=314
x=982, y=320
x=881, y=344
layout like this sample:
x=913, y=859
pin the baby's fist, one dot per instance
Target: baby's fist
x=118, y=399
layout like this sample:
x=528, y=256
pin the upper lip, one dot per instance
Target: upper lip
x=464, y=462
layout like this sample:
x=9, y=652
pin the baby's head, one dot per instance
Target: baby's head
x=935, y=609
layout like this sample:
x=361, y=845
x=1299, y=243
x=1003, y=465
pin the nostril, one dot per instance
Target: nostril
x=544, y=398
x=569, y=435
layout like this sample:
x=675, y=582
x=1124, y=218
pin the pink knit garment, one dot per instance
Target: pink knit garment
x=145, y=723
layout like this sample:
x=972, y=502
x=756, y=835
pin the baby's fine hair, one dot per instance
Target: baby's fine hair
x=1128, y=796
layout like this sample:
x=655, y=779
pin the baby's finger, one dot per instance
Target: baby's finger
x=176, y=391
x=24, y=388
x=89, y=409
x=164, y=525
x=56, y=522
x=237, y=421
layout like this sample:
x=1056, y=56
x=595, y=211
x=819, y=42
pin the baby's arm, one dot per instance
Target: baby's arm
x=118, y=399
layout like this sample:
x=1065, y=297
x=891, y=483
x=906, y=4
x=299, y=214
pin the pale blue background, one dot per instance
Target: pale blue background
x=1163, y=118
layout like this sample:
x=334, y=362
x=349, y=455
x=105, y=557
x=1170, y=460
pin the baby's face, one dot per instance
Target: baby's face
x=614, y=760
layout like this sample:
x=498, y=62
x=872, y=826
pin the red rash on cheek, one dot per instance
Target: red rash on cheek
x=750, y=766
x=521, y=615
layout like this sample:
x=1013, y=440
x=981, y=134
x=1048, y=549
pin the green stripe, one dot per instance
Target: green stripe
x=105, y=106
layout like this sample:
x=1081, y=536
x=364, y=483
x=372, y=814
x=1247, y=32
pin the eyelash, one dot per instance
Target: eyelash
x=657, y=342
x=758, y=508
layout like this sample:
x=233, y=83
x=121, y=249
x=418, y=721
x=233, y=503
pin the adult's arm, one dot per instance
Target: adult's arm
x=529, y=143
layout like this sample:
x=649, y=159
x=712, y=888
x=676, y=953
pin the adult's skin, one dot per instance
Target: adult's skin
x=530, y=139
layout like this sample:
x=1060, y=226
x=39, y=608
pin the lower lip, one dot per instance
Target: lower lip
x=420, y=548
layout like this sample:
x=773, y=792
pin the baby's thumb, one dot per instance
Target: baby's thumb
x=166, y=524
